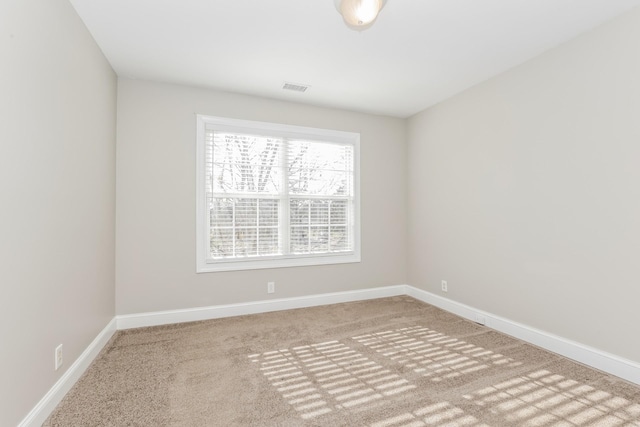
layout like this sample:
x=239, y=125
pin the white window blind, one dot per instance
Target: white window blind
x=275, y=195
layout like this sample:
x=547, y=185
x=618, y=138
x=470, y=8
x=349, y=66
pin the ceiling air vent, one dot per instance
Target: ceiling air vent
x=295, y=87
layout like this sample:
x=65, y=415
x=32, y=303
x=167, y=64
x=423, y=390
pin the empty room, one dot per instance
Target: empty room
x=375, y=213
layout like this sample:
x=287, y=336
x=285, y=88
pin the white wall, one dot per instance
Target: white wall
x=524, y=192
x=155, y=243
x=57, y=154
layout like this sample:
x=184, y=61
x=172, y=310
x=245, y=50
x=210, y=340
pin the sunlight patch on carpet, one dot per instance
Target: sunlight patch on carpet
x=438, y=414
x=322, y=378
x=319, y=378
x=433, y=354
x=542, y=398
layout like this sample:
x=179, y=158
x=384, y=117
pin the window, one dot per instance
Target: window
x=271, y=195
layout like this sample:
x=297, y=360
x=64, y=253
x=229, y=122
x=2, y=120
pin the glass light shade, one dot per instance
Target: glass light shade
x=360, y=14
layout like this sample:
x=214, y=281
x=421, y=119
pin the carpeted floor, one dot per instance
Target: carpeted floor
x=389, y=362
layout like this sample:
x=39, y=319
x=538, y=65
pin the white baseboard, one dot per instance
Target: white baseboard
x=48, y=403
x=590, y=356
x=129, y=321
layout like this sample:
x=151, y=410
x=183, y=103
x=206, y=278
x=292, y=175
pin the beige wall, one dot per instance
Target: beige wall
x=524, y=192
x=155, y=243
x=57, y=181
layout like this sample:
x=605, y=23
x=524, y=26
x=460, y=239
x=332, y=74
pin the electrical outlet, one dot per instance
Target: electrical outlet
x=445, y=288
x=58, y=357
x=271, y=287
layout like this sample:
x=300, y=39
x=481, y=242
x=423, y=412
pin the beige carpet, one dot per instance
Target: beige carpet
x=389, y=362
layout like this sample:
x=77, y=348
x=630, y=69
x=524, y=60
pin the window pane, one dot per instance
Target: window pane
x=221, y=243
x=340, y=239
x=246, y=242
x=311, y=231
x=319, y=168
x=299, y=240
x=299, y=211
x=305, y=240
x=268, y=241
x=268, y=212
x=319, y=182
x=245, y=163
x=246, y=212
x=221, y=212
x=319, y=212
x=320, y=155
x=239, y=218
x=319, y=239
x=339, y=213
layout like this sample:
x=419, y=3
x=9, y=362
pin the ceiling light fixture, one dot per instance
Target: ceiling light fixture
x=359, y=14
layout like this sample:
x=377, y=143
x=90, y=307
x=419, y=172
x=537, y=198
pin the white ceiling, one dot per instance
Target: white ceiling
x=418, y=53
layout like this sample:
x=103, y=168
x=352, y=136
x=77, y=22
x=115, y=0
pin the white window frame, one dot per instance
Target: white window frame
x=204, y=264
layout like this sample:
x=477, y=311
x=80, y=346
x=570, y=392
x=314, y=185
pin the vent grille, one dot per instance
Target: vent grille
x=295, y=87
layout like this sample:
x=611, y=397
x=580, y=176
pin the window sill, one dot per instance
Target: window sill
x=281, y=262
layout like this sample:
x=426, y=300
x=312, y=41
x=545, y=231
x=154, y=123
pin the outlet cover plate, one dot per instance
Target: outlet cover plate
x=58, y=357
